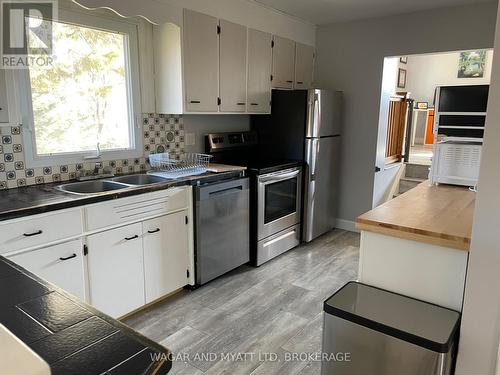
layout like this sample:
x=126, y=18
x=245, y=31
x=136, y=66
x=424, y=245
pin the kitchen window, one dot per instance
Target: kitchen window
x=85, y=104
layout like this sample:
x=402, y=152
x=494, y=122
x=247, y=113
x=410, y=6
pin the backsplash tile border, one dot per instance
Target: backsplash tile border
x=161, y=133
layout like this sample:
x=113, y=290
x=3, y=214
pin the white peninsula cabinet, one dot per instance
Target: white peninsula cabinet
x=117, y=255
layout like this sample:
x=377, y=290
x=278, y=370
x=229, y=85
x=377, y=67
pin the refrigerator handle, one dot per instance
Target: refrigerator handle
x=317, y=115
x=313, y=116
x=313, y=156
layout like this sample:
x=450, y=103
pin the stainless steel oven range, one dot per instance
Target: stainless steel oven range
x=278, y=213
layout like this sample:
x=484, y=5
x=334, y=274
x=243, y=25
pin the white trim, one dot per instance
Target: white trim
x=282, y=13
x=347, y=225
x=131, y=50
x=388, y=166
x=12, y=99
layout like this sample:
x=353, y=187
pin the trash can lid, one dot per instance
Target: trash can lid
x=418, y=322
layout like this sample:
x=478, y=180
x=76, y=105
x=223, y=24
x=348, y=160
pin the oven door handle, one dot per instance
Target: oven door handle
x=279, y=177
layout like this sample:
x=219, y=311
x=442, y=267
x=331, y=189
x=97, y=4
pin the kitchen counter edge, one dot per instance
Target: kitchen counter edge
x=45, y=198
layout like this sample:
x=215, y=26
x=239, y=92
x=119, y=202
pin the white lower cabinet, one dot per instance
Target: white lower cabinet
x=165, y=244
x=126, y=266
x=115, y=270
x=60, y=264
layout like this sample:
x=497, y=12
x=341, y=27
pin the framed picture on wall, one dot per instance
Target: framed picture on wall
x=403, y=59
x=402, y=78
x=471, y=64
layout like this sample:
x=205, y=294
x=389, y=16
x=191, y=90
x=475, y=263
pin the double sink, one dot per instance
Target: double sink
x=113, y=184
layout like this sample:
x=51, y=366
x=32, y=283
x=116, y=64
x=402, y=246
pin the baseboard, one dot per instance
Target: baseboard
x=347, y=225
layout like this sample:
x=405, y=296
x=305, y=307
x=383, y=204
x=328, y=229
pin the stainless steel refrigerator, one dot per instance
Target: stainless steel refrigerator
x=306, y=125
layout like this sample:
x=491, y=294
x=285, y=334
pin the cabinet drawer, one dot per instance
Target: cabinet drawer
x=61, y=265
x=125, y=210
x=39, y=229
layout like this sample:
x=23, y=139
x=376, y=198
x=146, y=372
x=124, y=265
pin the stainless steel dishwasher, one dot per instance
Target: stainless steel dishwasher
x=222, y=222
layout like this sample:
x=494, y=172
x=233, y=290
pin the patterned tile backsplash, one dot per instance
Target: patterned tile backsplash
x=161, y=133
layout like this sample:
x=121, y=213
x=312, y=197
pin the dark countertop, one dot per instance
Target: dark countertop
x=71, y=336
x=37, y=199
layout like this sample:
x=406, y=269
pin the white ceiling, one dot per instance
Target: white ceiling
x=328, y=11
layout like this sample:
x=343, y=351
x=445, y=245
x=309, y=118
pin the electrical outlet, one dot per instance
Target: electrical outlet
x=189, y=139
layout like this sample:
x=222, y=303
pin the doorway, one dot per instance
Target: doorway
x=409, y=84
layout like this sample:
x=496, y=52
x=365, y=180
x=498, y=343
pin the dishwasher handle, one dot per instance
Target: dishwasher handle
x=211, y=191
x=226, y=191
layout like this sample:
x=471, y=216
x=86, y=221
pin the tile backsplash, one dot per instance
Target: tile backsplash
x=161, y=133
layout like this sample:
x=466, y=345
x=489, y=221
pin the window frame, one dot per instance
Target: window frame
x=131, y=49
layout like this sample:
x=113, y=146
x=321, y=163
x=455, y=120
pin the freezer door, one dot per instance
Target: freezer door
x=321, y=184
x=323, y=113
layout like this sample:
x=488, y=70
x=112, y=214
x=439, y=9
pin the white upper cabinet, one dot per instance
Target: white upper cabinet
x=260, y=59
x=232, y=68
x=201, y=62
x=210, y=65
x=283, y=63
x=167, y=41
x=304, y=65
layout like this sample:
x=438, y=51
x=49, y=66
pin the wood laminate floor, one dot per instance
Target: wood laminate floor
x=231, y=324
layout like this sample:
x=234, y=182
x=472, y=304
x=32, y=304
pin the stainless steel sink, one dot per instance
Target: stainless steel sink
x=139, y=179
x=92, y=187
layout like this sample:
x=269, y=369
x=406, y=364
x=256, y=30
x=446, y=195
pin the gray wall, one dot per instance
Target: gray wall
x=203, y=124
x=350, y=58
x=480, y=329
x=425, y=72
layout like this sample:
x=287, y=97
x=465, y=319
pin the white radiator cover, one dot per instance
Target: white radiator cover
x=456, y=163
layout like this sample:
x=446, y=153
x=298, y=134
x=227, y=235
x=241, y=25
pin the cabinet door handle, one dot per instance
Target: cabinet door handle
x=195, y=102
x=300, y=82
x=131, y=238
x=70, y=257
x=289, y=81
x=33, y=233
x=254, y=103
x=154, y=231
x=240, y=103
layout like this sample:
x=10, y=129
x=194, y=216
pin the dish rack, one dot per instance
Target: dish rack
x=189, y=165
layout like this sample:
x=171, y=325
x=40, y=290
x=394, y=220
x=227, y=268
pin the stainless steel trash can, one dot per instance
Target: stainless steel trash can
x=372, y=331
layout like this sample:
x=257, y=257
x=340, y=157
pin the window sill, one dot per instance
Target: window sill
x=81, y=159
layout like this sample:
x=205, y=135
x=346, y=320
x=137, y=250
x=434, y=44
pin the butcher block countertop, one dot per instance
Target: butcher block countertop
x=439, y=215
